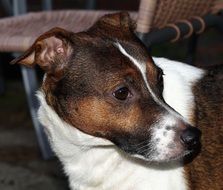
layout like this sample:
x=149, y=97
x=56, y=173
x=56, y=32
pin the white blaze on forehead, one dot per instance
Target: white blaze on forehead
x=142, y=68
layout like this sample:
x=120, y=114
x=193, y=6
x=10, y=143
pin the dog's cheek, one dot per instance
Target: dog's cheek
x=97, y=117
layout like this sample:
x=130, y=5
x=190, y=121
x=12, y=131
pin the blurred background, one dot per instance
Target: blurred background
x=21, y=163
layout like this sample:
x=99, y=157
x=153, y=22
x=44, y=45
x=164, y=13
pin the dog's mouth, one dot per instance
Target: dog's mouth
x=152, y=155
x=171, y=148
x=179, y=157
x=186, y=155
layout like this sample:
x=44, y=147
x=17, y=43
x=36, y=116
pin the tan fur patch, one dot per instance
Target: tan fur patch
x=98, y=116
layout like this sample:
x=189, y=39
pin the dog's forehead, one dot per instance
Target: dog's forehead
x=94, y=65
x=97, y=49
x=104, y=59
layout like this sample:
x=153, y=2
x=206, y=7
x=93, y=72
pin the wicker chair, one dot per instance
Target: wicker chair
x=156, y=23
x=173, y=20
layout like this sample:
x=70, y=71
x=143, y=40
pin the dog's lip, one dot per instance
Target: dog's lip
x=170, y=159
x=177, y=158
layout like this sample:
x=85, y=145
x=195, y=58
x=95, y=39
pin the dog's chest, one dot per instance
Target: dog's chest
x=107, y=170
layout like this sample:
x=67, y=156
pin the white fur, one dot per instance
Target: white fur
x=177, y=92
x=179, y=79
x=142, y=68
x=93, y=163
x=161, y=146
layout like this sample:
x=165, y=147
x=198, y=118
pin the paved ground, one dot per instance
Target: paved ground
x=21, y=165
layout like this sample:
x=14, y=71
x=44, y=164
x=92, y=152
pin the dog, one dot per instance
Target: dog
x=119, y=119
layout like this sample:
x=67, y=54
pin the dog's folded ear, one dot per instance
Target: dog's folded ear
x=120, y=20
x=118, y=25
x=50, y=51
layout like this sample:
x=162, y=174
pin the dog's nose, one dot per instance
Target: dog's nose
x=191, y=137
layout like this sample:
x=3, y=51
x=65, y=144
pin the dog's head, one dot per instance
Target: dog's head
x=104, y=83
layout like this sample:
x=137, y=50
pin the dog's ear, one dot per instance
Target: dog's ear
x=120, y=20
x=50, y=51
x=114, y=25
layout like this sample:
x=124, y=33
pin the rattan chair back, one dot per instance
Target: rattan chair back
x=159, y=13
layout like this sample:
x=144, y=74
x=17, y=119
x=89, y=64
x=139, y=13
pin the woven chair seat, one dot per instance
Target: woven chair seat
x=170, y=11
x=155, y=14
x=18, y=33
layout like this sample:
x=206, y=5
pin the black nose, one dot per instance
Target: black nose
x=191, y=137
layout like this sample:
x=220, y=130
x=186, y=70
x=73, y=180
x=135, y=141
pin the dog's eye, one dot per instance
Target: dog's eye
x=122, y=93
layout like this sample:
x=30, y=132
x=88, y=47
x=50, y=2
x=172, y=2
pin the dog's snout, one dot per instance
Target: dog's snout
x=191, y=137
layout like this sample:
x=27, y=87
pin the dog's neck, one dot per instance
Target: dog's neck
x=95, y=163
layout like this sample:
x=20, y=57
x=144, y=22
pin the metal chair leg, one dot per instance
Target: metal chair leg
x=191, y=50
x=2, y=82
x=90, y=4
x=30, y=84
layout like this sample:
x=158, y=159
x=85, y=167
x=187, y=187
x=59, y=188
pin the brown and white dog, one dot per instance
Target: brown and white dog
x=121, y=120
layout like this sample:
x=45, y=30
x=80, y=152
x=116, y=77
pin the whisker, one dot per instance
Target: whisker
x=142, y=147
x=141, y=143
x=148, y=149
